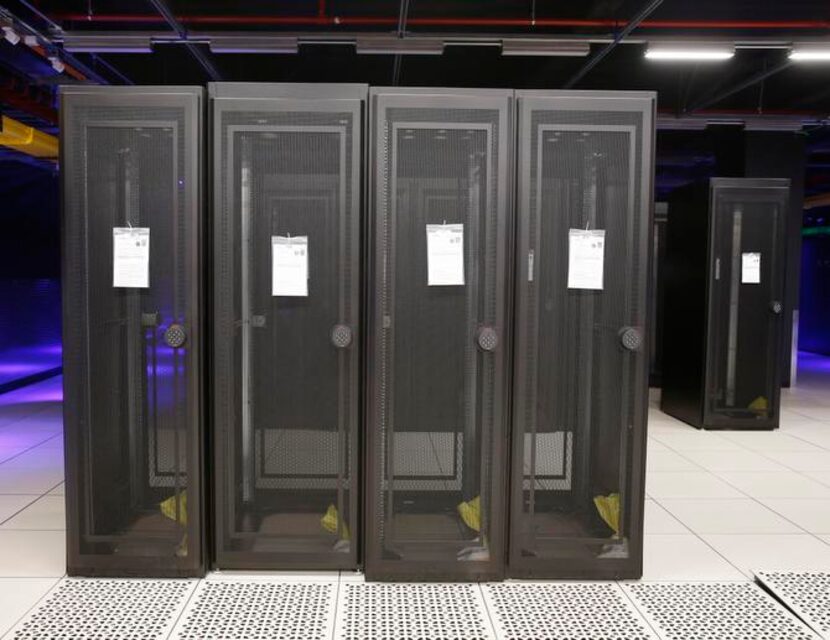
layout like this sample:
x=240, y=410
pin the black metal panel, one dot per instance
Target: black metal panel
x=132, y=403
x=723, y=330
x=744, y=330
x=287, y=162
x=585, y=161
x=438, y=355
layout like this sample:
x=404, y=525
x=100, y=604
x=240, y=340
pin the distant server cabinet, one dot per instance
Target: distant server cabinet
x=580, y=392
x=132, y=327
x=287, y=226
x=724, y=279
x=439, y=357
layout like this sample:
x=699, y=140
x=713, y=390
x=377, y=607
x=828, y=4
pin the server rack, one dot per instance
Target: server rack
x=287, y=165
x=585, y=168
x=725, y=262
x=131, y=171
x=438, y=354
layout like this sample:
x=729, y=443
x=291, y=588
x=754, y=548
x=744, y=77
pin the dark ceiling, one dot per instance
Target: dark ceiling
x=680, y=86
x=687, y=88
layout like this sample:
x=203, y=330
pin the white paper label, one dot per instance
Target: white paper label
x=530, y=266
x=586, y=258
x=445, y=254
x=289, y=266
x=131, y=257
x=750, y=268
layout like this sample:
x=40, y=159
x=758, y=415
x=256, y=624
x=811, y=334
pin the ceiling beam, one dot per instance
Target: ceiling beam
x=600, y=55
x=181, y=31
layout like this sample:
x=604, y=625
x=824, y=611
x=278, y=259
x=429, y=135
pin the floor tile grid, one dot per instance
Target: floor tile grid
x=680, y=452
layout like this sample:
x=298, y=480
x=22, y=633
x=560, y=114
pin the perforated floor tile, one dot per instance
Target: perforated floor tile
x=715, y=611
x=404, y=611
x=806, y=593
x=259, y=610
x=563, y=611
x=94, y=609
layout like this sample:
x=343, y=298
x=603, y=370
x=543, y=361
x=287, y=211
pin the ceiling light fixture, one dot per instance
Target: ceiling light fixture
x=810, y=53
x=682, y=52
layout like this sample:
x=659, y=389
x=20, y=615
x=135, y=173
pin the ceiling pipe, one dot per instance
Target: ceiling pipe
x=600, y=55
x=324, y=20
x=194, y=50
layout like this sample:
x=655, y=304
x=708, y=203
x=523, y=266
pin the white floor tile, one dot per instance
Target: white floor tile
x=688, y=484
x=659, y=521
x=28, y=479
x=779, y=484
x=684, y=557
x=32, y=554
x=763, y=441
x=811, y=515
x=728, y=516
x=11, y=504
x=733, y=461
x=772, y=552
x=821, y=476
x=37, y=458
x=58, y=491
x=18, y=595
x=693, y=440
x=667, y=460
x=46, y=514
x=802, y=460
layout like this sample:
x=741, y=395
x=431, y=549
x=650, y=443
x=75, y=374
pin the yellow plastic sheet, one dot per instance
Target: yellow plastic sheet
x=168, y=507
x=608, y=508
x=470, y=513
x=760, y=404
x=331, y=521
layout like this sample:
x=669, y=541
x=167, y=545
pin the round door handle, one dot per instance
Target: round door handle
x=175, y=336
x=487, y=339
x=776, y=307
x=631, y=338
x=341, y=336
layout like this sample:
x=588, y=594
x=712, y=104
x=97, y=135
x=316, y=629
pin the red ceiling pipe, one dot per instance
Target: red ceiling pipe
x=323, y=20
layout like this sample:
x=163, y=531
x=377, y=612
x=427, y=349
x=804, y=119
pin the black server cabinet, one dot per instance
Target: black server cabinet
x=725, y=262
x=438, y=348
x=585, y=170
x=132, y=329
x=287, y=225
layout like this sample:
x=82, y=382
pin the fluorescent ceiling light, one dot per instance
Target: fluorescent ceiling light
x=387, y=45
x=810, y=53
x=540, y=47
x=690, y=53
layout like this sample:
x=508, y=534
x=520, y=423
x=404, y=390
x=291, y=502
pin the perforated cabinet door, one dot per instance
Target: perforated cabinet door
x=746, y=297
x=439, y=336
x=580, y=364
x=131, y=167
x=287, y=227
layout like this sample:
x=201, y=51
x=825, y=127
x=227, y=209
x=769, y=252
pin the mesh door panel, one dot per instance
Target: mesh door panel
x=286, y=395
x=130, y=415
x=577, y=390
x=435, y=420
x=744, y=332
